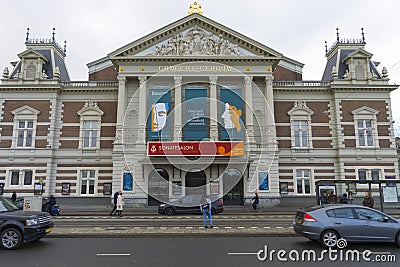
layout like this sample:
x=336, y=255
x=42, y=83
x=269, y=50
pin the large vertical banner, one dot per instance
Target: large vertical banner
x=158, y=121
x=196, y=124
x=231, y=114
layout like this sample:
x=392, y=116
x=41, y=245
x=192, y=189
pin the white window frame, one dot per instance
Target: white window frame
x=90, y=113
x=300, y=112
x=21, y=178
x=88, y=179
x=302, y=178
x=366, y=113
x=25, y=113
x=368, y=174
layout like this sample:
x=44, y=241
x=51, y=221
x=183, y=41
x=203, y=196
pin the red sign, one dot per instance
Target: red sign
x=227, y=149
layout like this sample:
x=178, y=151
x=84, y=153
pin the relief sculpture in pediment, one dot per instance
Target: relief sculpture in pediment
x=197, y=42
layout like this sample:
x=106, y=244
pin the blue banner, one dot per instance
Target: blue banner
x=159, y=122
x=231, y=114
x=196, y=124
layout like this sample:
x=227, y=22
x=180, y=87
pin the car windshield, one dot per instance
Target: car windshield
x=6, y=205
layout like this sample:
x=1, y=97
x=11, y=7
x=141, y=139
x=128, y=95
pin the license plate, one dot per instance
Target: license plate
x=48, y=230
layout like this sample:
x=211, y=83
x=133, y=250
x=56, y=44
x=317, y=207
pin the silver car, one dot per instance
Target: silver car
x=329, y=223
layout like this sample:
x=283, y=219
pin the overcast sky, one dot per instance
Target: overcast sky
x=297, y=29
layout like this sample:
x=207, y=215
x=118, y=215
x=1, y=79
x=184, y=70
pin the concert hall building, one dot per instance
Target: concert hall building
x=193, y=108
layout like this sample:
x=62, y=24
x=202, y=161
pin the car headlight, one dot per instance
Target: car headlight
x=31, y=222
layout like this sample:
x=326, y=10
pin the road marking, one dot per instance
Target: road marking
x=113, y=254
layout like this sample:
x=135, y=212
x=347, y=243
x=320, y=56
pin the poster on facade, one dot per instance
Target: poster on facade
x=176, y=188
x=107, y=188
x=37, y=189
x=214, y=188
x=231, y=114
x=390, y=194
x=284, y=187
x=263, y=181
x=127, y=181
x=65, y=188
x=196, y=117
x=159, y=122
x=222, y=149
x=352, y=188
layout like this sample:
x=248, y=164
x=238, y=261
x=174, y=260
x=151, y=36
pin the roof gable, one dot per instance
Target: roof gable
x=191, y=28
x=30, y=53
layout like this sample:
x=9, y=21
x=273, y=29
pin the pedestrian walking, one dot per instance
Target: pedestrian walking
x=368, y=200
x=113, y=211
x=120, y=204
x=255, y=201
x=205, y=208
x=14, y=196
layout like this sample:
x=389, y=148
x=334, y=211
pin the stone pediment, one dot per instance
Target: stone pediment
x=360, y=53
x=195, y=35
x=31, y=54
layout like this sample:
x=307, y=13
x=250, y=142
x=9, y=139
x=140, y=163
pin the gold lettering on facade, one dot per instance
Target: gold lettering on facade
x=196, y=68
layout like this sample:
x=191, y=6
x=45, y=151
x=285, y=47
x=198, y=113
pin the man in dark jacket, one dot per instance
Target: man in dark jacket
x=368, y=200
x=112, y=213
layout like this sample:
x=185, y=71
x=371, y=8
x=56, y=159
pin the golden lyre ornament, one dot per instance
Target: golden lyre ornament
x=195, y=8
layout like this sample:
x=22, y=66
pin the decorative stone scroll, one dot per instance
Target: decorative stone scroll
x=197, y=42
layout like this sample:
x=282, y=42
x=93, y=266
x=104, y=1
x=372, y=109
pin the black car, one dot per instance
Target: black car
x=188, y=204
x=17, y=226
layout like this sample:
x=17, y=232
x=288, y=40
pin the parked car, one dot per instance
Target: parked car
x=329, y=223
x=18, y=226
x=188, y=204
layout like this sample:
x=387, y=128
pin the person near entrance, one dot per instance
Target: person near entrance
x=113, y=211
x=205, y=208
x=255, y=201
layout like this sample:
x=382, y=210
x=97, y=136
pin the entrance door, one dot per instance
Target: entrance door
x=158, y=187
x=233, y=188
x=195, y=183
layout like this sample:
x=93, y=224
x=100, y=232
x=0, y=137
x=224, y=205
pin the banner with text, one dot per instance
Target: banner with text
x=158, y=121
x=222, y=149
x=231, y=114
x=196, y=127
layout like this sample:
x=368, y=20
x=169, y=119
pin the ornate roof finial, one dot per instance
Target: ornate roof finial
x=337, y=34
x=195, y=8
x=362, y=34
x=65, y=46
x=326, y=47
x=27, y=34
x=54, y=33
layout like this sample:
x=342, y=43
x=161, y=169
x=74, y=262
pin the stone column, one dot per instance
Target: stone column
x=121, y=108
x=178, y=109
x=213, y=109
x=248, y=94
x=269, y=111
x=142, y=110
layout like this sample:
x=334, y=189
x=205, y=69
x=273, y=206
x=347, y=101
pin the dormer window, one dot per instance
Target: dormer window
x=359, y=70
x=30, y=72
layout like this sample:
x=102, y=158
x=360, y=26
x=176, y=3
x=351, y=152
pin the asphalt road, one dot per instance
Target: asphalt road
x=207, y=251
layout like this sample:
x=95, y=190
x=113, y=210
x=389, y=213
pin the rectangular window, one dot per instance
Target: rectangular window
x=88, y=182
x=303, y=182
x=14, y=178
x=90, y=134
x=28, y=177
x=365, y=133
x=300, y=134
x=362, y=175
x=375, y=175
x=24, y=133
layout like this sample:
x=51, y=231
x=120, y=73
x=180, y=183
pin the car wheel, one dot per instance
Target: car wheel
x=11, y=238
x=329, y=238
x=169, y=211
x=398, y=239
